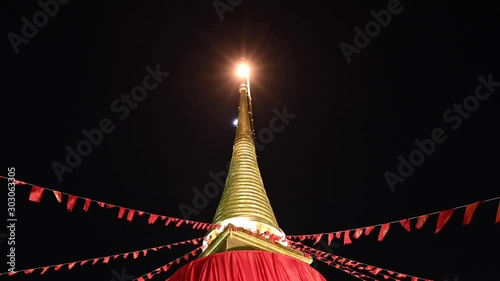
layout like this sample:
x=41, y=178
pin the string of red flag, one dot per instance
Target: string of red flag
x=166, y=267
x=352, y=271
x=341, y=263
x=103, y=259
x=443, y=218
x=37, y=192
x=347, y=270
x=277, y=240
x=355, y=265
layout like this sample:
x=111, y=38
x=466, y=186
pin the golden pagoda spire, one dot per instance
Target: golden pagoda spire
x=244, y=203
x=244, y=195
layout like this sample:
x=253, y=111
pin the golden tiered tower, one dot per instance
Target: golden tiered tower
x=244, y=203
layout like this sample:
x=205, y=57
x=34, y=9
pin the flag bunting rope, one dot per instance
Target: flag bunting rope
x=347, y=270
x=37, y=192
x=276, y=240
x=356, y=265
x=104, y=259
x=166, y=267
x=443, y=218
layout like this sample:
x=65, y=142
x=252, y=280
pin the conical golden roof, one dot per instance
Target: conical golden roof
x=244, y=203
x=244, y=194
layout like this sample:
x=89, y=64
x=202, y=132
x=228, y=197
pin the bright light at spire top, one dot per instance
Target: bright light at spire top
x=243, y=70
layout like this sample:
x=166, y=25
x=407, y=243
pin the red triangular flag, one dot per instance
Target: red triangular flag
x=44, y=270
x=57, y=267
x=95, y=261
x=71, y=202
x=144, y=252
x=357, y=233
x=130, y=215
x=330, y=237
x=152, y=218
x=352, y=263
x=421, y=220
x=28, y=271
x=36, y=193
x=84, y=262
x=338, y=235
x=106, y=260
x=376, y=271
x=101, y=204
x=347, y=239
x=136, y=254
x=179, y=223
x=406, y=224
x=70, y=266
x=414, y=279
x=469, y=212
x=140, y=213
x=383, y=231
x=58, y=195
x=125, y=255
x=369, y=229
x=87, y=204
x=121, y=212
x=140, y=279
x=444, y=217
x=498, y=213
x=318, y=238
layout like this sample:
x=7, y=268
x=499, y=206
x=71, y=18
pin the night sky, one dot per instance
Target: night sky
x=352, y=109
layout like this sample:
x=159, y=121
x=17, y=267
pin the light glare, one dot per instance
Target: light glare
x=235, y=122
x=243, y=70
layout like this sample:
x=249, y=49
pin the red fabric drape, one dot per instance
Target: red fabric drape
x=247, y=266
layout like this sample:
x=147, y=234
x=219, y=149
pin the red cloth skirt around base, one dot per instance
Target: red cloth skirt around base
x=247, y=265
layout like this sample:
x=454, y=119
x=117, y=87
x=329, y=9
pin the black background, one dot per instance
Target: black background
x=323, y=172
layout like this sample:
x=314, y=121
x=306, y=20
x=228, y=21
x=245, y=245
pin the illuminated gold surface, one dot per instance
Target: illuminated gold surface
x=244, y=194
x=244, y=203
x=233, y=240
